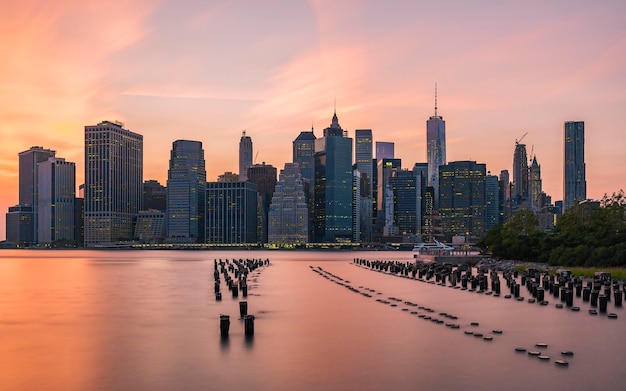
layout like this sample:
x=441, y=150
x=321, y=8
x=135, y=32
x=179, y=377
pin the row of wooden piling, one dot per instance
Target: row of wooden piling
x=240, y=269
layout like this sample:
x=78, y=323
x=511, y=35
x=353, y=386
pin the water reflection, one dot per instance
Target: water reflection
x=67, y=325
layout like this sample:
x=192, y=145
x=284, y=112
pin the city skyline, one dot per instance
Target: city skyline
x=501, y=71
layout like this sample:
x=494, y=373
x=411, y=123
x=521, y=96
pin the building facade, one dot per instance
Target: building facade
x=363, y=154
x=288, y=216
x=462, y=199
x=57, y=193
x=154, y=195
x=231, y=213
x=574, y=177
x=28, y=180
x=303, y=151
x=492, y=199
x=186, y=193
x=520, y=190
x=264, y=177
x=245, y=156
x=333, y=186
x=407, y=202
x=19, y=225
x=113, y=182
x=435, y=148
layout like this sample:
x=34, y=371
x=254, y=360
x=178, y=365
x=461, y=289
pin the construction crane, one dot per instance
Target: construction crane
x=520, y=140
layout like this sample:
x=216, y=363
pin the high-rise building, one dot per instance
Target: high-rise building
x=57, y=191
x=406, y=201
x=333, y=185
x=113, y=182
x=462, y=199
x=363, y=160
x=384, y=150
x=28, y=189
x=574, y=179
x=386, y=169
x=154, y=195
x=231, y=213
x=245, y=156
x=520, y=174
x=435, y=148
x=535, y=186
x=288, y=216
x=420, y=172
x=303, y=151
x=19, y=225
x=356, y=205
x=264, y=177
x=186, y=193
x=492, y=199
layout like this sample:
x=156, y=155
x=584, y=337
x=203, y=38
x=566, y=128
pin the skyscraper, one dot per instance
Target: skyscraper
x=407, y=201
x=333, y=185
x=492, y=201
x=113, y=182
x=462, y=198
x=288, y=217
x=28, y=180
x=245, y=156
x=535, y=185
x=520, y=174
x=154, y=195
x=186, y=193
x=386, y=169
x=303, y=151
x=435, y=148
x=264, y=177
x=574, y=179
x=19, y=225
x=57, y=191
x=363, y=158
x=384, y=150
x=231, y=213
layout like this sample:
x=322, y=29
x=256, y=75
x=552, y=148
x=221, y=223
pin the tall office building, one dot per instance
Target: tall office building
x=333, y=185
x=154, y=195
x=303, y=151
x=231, y=213
x=113, y=182
x=363, y=158
x=462, y=199
x=19, y=225
x=574, y=179
x=186, y=193
x=384, y=150
x=356, y=205
x=28, y=189
x=492, y=199
x=435, y=148
x=534, y=175
x=288, y=216
x=57, y=192
x=149, y=226
x=245, y=156
x=386, y=169
x=264, y=177
x=420, y=171
x=520, y=174
x=406, y=202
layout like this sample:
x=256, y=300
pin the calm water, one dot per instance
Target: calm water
x=113, y=320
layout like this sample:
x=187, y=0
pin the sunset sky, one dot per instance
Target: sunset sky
x=207, y=70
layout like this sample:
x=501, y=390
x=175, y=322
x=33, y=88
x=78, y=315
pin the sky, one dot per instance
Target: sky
x=207, y=70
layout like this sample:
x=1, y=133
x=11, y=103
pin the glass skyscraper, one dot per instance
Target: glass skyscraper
x=435, y=148
x=520, y=174
x=303, y=151
x=57, y=191
x=574, y=180
x=113, y=182
x=333, y=186
x=186, y=193
x=462, y=198
x=231, y=212
x=363, y=159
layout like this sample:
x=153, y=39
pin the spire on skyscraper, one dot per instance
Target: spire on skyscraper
x=435, y=99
